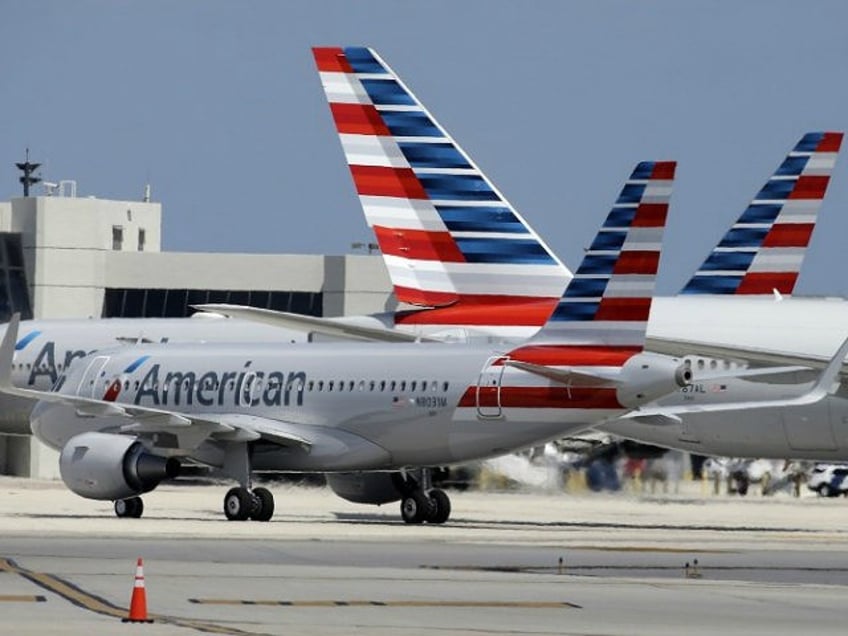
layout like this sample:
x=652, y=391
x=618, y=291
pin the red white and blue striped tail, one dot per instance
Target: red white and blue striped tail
x=609, y=299
x=763, y=251
x=447, y=234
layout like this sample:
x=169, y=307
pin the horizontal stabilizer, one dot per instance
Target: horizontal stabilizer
x=565, y=375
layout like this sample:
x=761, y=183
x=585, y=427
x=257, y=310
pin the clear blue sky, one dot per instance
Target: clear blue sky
x=218, y=106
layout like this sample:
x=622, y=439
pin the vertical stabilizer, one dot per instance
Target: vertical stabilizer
x=764, y=250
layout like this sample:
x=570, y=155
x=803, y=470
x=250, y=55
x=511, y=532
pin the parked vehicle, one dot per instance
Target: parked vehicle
x=829, y=480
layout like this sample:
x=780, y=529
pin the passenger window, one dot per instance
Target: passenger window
x=371, y=385
x=394, y=385
x=403, y=385
x=382, y=385
x=412, y=386
x=350, y=386
x=330, y=385
x=423, y=385
x=445, y=387
x=362, y=385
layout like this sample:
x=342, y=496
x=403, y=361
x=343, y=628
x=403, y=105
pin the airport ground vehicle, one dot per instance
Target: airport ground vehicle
x=829, y=480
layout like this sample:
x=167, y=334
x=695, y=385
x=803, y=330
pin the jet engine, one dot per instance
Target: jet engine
x=648, y=376
x=367, y=488
x=106, y=466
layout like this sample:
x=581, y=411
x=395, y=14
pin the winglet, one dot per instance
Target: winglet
x=7, y=351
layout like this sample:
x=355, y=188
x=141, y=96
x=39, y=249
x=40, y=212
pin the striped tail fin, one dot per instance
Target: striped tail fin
x=765, y=248
x=609, y=299
x=447, y=234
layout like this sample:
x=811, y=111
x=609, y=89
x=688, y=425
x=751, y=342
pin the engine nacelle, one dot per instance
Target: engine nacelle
x=368, y=488
x=648, y=376
x=106, y=466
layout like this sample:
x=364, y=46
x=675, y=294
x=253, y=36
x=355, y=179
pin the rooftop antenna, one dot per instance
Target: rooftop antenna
x=28, y=168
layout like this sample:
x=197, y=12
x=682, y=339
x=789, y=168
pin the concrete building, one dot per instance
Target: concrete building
x=71, y=257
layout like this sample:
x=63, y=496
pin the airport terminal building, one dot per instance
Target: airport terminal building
x=63, y=256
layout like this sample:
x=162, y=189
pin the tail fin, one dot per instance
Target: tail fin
x=446, y=233
x=609, y=299
x=765, y=248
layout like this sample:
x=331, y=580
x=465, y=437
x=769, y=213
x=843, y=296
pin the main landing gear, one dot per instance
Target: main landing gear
x=243, y=502
x=421, y=502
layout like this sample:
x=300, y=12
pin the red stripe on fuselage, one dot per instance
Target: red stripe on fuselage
x=418, y=244
x=637, y=262
x=541, y=397
x=766, y=282
x=574, y=355
x=505, y=311
x=380, y=181
x=789, y=235
x=331, y=59
x=358, y=119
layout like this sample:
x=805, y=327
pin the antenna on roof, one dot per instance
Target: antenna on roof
x=28, y=168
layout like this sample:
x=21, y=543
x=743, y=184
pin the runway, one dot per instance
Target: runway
x=325, y=566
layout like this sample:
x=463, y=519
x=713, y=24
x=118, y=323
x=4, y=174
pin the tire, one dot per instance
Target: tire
x=415, y=507
x=265, y=510
x=441, y=506
x=131, y=508
x=826, y=490
x=238, y=504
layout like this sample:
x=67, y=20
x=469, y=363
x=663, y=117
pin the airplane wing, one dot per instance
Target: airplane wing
x=821, y=388
x=565, y=375
x=326, y=326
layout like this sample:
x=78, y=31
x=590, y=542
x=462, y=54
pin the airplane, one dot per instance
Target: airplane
x=122, y=417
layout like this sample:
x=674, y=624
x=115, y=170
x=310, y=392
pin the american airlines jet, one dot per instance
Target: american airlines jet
x=122, y=417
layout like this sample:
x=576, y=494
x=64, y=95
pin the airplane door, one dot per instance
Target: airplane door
x=489, y=389
x=88, y=383
x=249, y=387
x=809, y=427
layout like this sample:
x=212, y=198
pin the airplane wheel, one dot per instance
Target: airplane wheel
x=265, y=510
x=415, y=507
x=238, y=504
x=441, y=506
x=129, y=508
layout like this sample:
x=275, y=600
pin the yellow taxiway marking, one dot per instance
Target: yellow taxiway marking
x=22, y=598
x=398, y=603
x=93, y=603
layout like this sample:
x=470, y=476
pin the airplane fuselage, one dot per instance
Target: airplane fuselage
x=377, y=406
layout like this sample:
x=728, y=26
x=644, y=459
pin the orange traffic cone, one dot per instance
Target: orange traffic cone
x=138, y=602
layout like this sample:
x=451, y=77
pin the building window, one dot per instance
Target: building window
x=117, y=237
x=142, y=238
x=177, y=303
x=14, y=290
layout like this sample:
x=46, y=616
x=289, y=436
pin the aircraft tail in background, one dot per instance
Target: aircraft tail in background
x=449, y=238
x=764, y=250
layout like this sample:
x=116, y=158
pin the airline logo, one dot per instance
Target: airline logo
x=447, y=235
x=601, y=319
x=765, y=248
